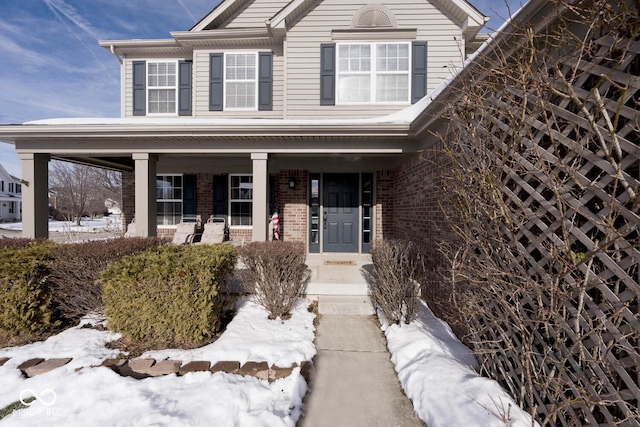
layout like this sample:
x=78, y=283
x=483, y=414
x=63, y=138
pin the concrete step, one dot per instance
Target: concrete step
x=345, y=289
x=342, y=304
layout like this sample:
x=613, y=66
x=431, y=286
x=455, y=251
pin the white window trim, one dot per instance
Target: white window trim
x=372, y=73
x=171, y=200
x=225, y=81
x=149, y=87
x=238, y=227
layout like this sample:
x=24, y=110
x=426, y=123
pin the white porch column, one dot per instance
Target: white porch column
x=35, y=195
x=260, y=194
x=145, y=182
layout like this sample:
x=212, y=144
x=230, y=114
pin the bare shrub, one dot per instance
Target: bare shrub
x=398, y=266
x=544, y=147
x=76, y=267
x=276, y=273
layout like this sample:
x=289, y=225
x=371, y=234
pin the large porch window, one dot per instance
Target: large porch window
x=169, y=199
x=241, y=200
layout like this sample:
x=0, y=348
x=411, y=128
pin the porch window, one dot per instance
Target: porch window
x=241, y=88
x=373, y=72
x=162, y=87
x=169, y=199
x=12, y=207
x=241, y=199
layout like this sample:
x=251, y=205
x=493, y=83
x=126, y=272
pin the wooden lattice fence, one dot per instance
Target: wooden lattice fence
x=545, y=139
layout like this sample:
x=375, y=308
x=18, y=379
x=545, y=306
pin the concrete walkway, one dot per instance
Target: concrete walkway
x=354, y=383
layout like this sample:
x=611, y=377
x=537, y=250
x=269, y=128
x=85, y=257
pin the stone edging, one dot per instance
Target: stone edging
x=146, y=368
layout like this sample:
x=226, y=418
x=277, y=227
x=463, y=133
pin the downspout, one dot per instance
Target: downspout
x=113, y=52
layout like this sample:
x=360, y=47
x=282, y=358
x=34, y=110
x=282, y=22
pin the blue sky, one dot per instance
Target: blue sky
x=53, y=67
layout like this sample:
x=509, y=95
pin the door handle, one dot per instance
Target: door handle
x=324, y=220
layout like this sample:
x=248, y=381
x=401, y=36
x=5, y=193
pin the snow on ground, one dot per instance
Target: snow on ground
x=437, y=373
x=107, y=223
x=253, y=337
x=99, y=397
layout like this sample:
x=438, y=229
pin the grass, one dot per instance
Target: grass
x=15, y=406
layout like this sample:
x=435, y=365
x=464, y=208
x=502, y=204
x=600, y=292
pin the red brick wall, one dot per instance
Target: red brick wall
x=128, y=199
x=204, y=195
x=292, y=205
x=418, y=192
x=418, y=195
x=384, y=204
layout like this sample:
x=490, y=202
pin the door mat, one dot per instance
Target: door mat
x=339, y=262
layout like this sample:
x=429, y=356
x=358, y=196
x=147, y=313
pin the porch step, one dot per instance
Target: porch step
x=337, y=304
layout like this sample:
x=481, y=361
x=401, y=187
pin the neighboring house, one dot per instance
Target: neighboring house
x=10, y=197
x=299, y=106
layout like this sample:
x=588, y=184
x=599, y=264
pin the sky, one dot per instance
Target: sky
x=52, y=66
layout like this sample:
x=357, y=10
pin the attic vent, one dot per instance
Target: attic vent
x=373, y=16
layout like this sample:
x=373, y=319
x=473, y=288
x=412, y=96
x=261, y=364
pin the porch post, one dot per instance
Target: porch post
x=260, y=192
x=35, y=195
x=145, y=190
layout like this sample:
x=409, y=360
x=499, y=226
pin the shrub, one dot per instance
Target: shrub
x=275, y=272
x=25, y=298
x=16, y=243
x=397, y=272
x=77, y=267
x=169, y=293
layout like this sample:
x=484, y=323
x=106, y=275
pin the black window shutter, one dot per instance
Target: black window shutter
x=328, y=74
x=184, y=88
x=189, y=200
x=265, y=81
x=220, y=194
x=418, y=71
x=139, y=88
x=216, y=83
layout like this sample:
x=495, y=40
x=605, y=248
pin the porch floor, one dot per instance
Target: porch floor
x=339, y=283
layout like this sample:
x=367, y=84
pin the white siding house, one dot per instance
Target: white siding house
x=10, y=197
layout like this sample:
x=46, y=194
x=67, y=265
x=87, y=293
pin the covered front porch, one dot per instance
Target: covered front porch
x=328, y=189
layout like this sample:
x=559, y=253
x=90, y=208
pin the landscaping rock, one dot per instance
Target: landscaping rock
x=164, y=367
x=259, y=370
x=29, y=363
x=276, y=373
x=4, y=360
x=114, y=364
x=230, y=367
x=195, y=366
x=137, y=368
x=46, y=366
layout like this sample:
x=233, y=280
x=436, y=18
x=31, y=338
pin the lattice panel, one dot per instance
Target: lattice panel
x=569, y=171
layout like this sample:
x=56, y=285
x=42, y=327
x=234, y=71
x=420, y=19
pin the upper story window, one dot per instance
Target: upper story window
x=11, y=187
x=19, y=188
x=162, y=87
x=241, y=86
x=373, y=72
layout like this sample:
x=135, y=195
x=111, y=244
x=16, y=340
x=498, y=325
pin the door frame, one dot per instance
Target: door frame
x=318, y=246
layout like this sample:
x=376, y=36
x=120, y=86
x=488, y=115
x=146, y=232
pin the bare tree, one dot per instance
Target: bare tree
x=82, y=190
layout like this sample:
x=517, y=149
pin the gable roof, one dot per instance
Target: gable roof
x=470, y=17
x=3, y=172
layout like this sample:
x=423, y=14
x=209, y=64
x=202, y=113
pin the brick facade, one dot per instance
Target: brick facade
x=384, y=204
x=292, y=204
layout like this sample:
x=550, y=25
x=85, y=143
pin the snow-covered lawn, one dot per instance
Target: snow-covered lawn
x=107, y=223
x=97, y=396
x=437, y=373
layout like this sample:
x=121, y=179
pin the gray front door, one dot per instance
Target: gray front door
x=340, y=209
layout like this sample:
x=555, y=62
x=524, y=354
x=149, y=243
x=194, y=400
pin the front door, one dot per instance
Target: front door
x=340, y=209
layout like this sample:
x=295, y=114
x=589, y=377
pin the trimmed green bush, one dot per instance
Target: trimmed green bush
x=77, y=267
x=276, y=274
x=25, y=297
x=169, y=293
